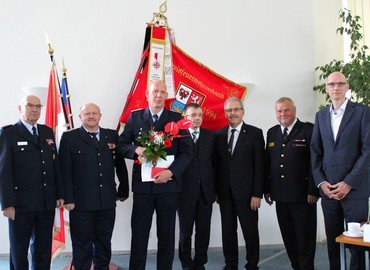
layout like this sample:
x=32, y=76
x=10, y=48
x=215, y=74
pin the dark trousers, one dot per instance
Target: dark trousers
x=199, y=214
x=297, y=222
x=36, y=227
x=232, y=209
x=335, y=213
x=144, y=205
x=91, y=234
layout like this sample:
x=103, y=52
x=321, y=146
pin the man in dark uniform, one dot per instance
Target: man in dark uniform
x=197, y=195
x=162, y=194
x=289, y=182
x=240, y=173
x=88, y=161
x=30, y=186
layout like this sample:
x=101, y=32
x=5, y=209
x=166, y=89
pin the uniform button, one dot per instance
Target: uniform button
x=15, y=187
x=281, y=166
x=43, y=162
x=99, y=164
x=282, y=155
x=282, y=176
x=44, y=184
x=101, y=185
x=42, y=151
x=22, y=149
x=98, y=154
x=101, y=174
x=44, y=173
x=283, y=144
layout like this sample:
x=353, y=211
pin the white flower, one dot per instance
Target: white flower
x=158, y=139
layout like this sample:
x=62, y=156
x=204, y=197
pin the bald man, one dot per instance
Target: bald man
x=30, y=186
x=89, y=165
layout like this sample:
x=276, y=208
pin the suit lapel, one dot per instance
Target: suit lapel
x=86, y=137
x=327, y=123
x=26, y=133
x=241, y=138
x=346, y=116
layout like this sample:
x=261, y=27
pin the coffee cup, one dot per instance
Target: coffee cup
x=354, y=228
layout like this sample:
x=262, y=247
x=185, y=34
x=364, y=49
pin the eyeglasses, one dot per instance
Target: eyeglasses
x=193, y=115
x=33, y=106
x=332, y=84
x=237, y=109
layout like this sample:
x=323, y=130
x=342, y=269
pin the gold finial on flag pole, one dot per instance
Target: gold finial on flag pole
x=163, y=7
x=50, y=49
x=64, y=70
x=158, y=17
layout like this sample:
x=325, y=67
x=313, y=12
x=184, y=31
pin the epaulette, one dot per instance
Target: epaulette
x=7, y=126
x=136, y=110
x=273, y=127
x=68, y=130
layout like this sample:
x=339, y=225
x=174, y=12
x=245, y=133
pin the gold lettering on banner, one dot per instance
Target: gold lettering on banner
x=182, y=72
x=209, y=112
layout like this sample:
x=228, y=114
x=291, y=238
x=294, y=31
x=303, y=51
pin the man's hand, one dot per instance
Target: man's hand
x=268, y=198
x=255, y=203
x=312, y=199
x=9, y=213
x=162, y=177
x=340, y=190
x=326, y=187
x=140, y=151
x=69, y=206
x=60, y=203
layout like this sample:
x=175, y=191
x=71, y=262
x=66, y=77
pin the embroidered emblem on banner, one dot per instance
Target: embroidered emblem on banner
x=186, y=95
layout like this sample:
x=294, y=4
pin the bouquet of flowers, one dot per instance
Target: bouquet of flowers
x=156, y=142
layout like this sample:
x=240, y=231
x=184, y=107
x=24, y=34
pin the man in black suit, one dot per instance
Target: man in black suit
x=197, y=195
x=340, y=155
x=160, y=195
x=89, y=164
x=30, y=186
x=289, y=182
x=239, y=177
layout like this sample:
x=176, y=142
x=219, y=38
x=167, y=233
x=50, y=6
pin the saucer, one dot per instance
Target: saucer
x=347, y=233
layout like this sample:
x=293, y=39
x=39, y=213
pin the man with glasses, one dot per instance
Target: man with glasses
x=239, y=178
x=340, y=155
x=197, y=195
x=30, y=186
x=89, y=166
x=290, y=184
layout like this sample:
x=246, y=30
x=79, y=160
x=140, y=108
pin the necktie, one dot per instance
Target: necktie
x=194, y=136
x=285, y=133
x=34, y=134
x=93, y=136
x=231, y=142
x=155, y=118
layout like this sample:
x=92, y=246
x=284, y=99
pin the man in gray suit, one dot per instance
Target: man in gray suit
x=340, y=155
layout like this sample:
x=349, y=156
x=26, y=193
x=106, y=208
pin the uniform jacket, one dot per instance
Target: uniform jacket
x=181, y=148
x=200, y=171
x=89, y=169
x=348, y=157
x=289, y=175
x=30, y=178
x=244, y=171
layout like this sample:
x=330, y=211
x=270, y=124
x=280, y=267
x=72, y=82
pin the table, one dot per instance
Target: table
x=355, y=241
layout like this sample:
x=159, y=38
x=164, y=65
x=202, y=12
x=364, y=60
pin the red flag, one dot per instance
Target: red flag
x=53, y=110
x=193, y=83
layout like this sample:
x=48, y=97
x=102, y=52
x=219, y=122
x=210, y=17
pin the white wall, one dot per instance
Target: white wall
x=268, y=43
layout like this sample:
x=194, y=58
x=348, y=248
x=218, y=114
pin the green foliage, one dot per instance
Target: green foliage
x=357, y=70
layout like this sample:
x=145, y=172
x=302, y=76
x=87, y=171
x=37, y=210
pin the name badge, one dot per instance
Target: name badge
x=22, y=143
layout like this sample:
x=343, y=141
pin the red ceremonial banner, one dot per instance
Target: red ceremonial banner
x=193, y=83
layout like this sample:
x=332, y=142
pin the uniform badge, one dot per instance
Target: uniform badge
x=111, y=145
x=22, y=143
x=49, y=141
x=271, y=144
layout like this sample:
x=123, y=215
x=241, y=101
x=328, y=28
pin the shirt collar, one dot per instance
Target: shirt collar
x=28, y=126
x=290, y=127
x=341, y=108
x=158, y=113
x=238, y=128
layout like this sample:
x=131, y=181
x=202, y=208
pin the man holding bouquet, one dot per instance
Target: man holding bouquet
x=161, y=194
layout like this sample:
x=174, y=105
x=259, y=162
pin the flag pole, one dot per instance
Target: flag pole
x=67, y=115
